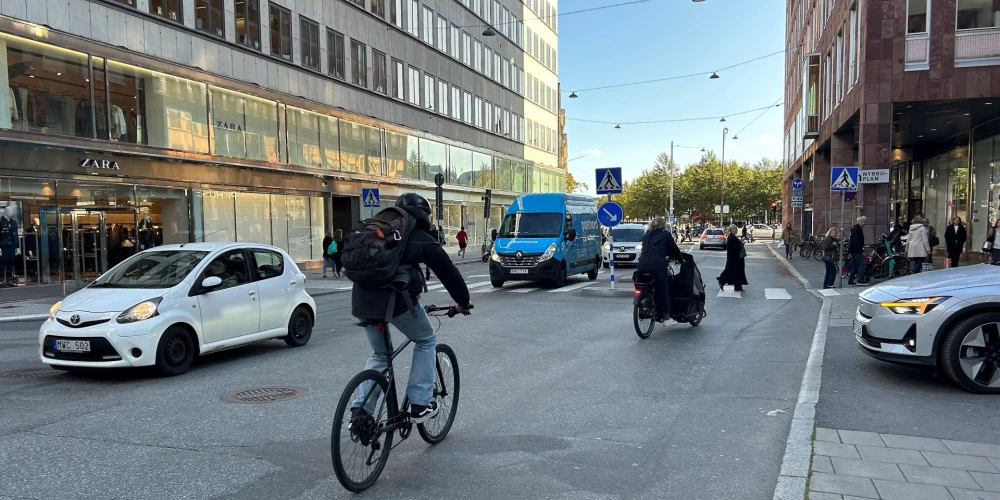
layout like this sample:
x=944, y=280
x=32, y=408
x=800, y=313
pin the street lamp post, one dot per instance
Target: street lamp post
x=722, y=196
x=671, y=217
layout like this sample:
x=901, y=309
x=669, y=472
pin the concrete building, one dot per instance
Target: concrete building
x=907, y=86
x=134, y=123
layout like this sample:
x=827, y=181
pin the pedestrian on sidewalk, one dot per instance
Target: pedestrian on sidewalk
x=338, y=266
x=735, y=272
x=994, y=242
x=859, y=266
x=786, y=237
x=954, y=239
x=463, y=241
x=831, y=249
x=917, y=245
x=327, y=258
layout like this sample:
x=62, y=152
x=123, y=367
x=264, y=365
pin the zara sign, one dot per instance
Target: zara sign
x=104, y=164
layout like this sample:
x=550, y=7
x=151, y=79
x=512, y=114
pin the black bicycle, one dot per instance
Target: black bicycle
x=687, y=299
x=360, y=441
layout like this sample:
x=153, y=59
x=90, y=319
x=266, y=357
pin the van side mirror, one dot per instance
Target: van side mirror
x=570, y=234
x=211, y=282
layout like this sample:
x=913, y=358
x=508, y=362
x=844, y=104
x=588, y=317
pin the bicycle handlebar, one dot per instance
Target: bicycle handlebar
x=450, y=311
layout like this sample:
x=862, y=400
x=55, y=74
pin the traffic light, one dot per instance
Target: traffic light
x=774, y=207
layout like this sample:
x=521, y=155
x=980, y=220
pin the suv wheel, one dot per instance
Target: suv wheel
x=970, y=353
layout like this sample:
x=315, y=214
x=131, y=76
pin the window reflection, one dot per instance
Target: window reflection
x=433, y=156
x=303, y=138
x=461, y=172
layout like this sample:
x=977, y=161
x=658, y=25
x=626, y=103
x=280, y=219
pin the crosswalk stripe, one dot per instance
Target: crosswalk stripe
x=486, y=290
x=480, y=276
x=568, y=288
x=434, y=287
x=730, y=294
x=524, y=290
x=776, y=294
x=828, y=292
x=470, y=286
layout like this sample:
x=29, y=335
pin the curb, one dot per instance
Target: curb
x=606, y=292
x=794, y=475
x=24, y=318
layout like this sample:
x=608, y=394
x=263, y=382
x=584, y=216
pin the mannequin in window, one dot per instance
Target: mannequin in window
x=9, y=245
x=145, y=229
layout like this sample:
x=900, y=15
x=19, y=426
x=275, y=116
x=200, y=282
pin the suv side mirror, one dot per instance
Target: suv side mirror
x=570, y=234
x=211, y=282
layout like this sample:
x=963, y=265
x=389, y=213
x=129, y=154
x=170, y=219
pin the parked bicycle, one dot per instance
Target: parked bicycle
x=360, y=441
x=808, y=245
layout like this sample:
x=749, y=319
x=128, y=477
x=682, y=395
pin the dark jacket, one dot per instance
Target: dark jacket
x=326, y=244
x=831, y=247
x=955, y=241
x=657, y=245
x=421, y=248
x=735, y=272
x=857, y=244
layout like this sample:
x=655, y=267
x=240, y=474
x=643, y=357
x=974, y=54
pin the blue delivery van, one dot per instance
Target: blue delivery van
x=547, y=237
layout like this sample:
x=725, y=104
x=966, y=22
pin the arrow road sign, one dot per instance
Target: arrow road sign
x=610, y=214
x=370, y=196
x=797, y=184
x=844, y=179
x=609, y=180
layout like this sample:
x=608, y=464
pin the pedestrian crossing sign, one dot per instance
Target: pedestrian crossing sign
x=844, y=179
x=370, y=197
x=609, y=180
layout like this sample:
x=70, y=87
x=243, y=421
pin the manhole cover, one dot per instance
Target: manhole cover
x=33, y=373
x=263, y=395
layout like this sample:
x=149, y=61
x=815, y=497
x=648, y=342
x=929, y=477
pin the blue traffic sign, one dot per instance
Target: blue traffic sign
x=609, y=180
x=671, y=218
x=610, y=214
x=370, y=197
x=797, y=183
x=844, y=179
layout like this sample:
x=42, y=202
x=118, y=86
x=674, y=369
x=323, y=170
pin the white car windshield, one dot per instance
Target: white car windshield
x=158, y=269
x=627, y=234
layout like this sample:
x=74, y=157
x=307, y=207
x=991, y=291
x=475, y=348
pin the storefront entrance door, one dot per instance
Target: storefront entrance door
x=90, y=240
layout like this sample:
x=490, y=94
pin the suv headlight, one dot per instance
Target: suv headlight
x=914, y=306
x=53, y=310
x=549, y=252
x=494, y=256
x=141, y=311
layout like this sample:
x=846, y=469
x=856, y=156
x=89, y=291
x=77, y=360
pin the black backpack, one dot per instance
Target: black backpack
x=373, y=250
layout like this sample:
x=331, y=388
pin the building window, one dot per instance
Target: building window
x=488, y=116
x=378, y=67
x=477, y=56
x=488, y=63
x=916, y=15
x=467, y=107
x=429, y=87
x=128, y=2
x=456, y=102
x=486, y=12
x=442, y=97
x=974, y=14
x=497, y=119
x=412, y=15
x=208, y=16
x=359, y=63
x=428, y=27
x=414, y=82
x=466, y=49
x=309, y=43
x=377, y=7
x=248, y=23
x=496, y=66
x=505, y=73
x=442, y=34
x=335, y=54
x=170, y=9
x=398, y=85
x=853, y=63
x=506, y=23
x=455, y=51
x=838, y=65
x=496, y=14
x=281, y=32
x=396, y=13
x=477, y=112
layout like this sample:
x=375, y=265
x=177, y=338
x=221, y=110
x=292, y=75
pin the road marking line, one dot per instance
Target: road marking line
x=524, y=290
x=776, y=294
x=568, y=288
x=470, y=286
x=486, y=290
x=828, y=292
x=434, y=287
x=731, y=294
x=480, y=276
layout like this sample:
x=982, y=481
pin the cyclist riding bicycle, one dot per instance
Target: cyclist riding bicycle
x=370, y=304
x=657, y=245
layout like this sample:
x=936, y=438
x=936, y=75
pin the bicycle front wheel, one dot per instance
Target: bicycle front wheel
x=359, y=447
x=446, y=387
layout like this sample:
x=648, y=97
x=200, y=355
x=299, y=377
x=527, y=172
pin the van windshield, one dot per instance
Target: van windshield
x=531, y=225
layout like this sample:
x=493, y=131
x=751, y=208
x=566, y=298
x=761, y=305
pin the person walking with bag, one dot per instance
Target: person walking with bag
x=735, y=272
x=954, y=239
x=831, y=248
x=992, y=242
x=327, y=257
x=786, y=239
x=917, y=245
x=338, y=240
x=856, y=249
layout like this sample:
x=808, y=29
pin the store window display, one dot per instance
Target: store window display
x=10, y=247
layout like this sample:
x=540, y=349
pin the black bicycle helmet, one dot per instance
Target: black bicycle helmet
x=416, y=201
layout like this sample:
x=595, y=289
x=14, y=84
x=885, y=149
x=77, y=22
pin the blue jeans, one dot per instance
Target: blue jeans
x=326, y=262
x=420, y=387
x=918, y=262
x=831, y=272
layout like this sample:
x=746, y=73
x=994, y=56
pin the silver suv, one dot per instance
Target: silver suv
x=949, y=319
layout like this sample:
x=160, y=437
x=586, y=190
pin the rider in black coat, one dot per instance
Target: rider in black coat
x=657, y=245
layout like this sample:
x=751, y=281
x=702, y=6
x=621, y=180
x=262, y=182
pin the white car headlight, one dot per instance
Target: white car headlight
x=638, y=248
x=914, y=306
x=549, y=253
x=494, y=256
x=53, y=310
x=141, y=311
x=607, y=246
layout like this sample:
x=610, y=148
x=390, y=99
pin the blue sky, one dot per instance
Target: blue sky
x=662, y=38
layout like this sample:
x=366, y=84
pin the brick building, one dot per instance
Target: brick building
x=911, y=86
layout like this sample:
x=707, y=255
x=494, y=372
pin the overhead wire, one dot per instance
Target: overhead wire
x=543, y=19
x=672, y=120
x=776, y=104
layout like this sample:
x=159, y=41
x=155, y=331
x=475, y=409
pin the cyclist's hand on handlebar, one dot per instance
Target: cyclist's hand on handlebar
x=465, y=311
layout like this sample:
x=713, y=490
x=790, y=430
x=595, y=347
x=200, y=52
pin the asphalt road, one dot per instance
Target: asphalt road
x=560, y=399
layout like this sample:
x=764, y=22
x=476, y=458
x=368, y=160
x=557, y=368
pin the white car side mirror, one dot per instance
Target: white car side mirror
x=211, y=282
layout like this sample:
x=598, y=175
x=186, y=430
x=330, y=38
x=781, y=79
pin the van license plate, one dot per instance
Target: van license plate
x=73, y=345
x=518, y=271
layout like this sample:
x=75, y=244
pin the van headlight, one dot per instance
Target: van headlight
x=494, y=256
x=53, y=310
x=549, y=253
x=141, y=311
x=914, y=306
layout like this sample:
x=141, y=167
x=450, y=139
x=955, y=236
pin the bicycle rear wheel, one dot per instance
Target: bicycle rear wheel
x=818, y=254
x=805, y=250
x=642, y=317
x=360, y=450
x=446, y=387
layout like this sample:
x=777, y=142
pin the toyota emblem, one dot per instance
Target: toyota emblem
x=519, y=255
x=74, y=319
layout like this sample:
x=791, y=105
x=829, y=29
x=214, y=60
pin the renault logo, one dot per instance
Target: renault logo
x=74, y=319
x=519, y=255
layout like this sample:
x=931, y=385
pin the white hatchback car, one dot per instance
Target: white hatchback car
x=628, y=240
x=164, y=306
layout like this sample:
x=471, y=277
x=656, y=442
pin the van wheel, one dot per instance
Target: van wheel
x=497, y=283
x=300, y=327
x=561, y=279
x=592, y=275
x=174, y=353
